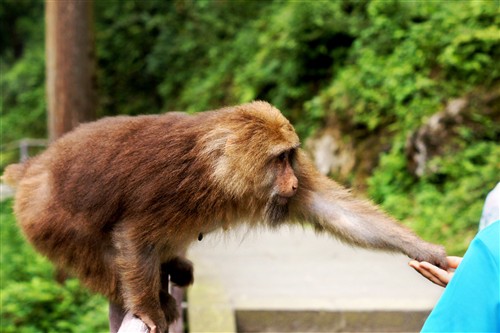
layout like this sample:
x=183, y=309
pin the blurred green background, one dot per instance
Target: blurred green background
x=375, y=71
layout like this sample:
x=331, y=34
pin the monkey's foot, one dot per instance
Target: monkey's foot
x=169, y=307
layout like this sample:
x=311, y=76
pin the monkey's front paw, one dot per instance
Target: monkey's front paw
x=156, y=325
x=433, y=254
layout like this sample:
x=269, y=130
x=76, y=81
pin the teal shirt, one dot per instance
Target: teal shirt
x=471, y=301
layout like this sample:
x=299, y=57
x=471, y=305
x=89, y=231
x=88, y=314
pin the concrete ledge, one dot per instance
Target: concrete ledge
x=322, y=321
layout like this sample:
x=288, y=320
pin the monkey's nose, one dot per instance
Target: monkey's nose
x=295, y=184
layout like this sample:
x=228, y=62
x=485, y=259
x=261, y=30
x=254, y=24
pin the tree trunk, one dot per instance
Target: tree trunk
x=70, y=65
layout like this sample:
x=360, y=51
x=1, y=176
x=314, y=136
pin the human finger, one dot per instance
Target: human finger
x=426, y=273
x=440, y=274
x=453, y=262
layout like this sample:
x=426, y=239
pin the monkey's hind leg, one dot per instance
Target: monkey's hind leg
x=168, y=306
x=180, y=271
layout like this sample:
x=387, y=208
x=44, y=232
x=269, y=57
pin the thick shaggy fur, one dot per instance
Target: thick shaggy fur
x=114, y=201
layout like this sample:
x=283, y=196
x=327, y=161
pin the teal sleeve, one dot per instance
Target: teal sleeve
x=471, y=301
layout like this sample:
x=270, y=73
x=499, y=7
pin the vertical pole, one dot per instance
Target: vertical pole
x=70, y=70
x=178, y=325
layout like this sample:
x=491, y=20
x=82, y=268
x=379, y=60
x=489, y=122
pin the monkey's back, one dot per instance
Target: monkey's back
x=74, y=195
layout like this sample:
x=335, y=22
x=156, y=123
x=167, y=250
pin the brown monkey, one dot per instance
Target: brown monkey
x=115, y=200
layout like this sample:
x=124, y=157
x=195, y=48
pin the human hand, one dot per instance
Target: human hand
x=435, y=274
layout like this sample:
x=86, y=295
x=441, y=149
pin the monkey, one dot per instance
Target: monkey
x=114, y=201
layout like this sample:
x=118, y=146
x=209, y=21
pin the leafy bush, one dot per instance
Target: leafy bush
x=405, y=63
x=444, y=206
x=30, y=299
x=22, y=101
x=23, y=97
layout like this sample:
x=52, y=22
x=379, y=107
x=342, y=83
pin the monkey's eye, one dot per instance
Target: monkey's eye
x=282, y=157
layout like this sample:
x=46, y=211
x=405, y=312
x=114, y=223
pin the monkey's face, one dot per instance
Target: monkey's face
x=285, y=183
x=256, y=166
x=284, y=186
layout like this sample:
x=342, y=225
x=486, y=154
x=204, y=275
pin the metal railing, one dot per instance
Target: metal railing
x=23, y=145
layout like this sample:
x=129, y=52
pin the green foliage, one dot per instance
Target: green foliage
x=473, y=54
x=446, y=204
x=300, y=47
x=18, y=28
x=30, y=299
x=200, y=55
x=22, y=98
x=413, y=56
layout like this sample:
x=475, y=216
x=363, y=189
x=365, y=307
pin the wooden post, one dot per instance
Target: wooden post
x=70, y=65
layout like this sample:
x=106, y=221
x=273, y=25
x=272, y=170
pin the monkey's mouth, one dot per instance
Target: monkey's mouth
x=277, y=209
x=280, y=200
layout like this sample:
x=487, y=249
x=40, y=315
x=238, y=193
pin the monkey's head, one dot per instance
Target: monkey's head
x=258, y=158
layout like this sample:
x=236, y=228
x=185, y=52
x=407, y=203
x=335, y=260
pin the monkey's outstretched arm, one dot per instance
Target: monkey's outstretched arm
x=331, y=208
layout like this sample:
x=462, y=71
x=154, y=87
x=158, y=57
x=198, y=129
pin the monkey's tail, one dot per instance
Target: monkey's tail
x=13, y=174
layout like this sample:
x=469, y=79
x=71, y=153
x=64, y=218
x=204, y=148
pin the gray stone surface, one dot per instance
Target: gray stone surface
x=296, y=270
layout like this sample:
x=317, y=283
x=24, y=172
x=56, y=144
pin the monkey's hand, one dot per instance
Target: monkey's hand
x=159, y=324
x=169, y=314
x=431, y=253
x=154, y=325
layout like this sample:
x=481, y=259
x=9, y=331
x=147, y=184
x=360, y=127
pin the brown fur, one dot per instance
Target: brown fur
x=115, y=200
